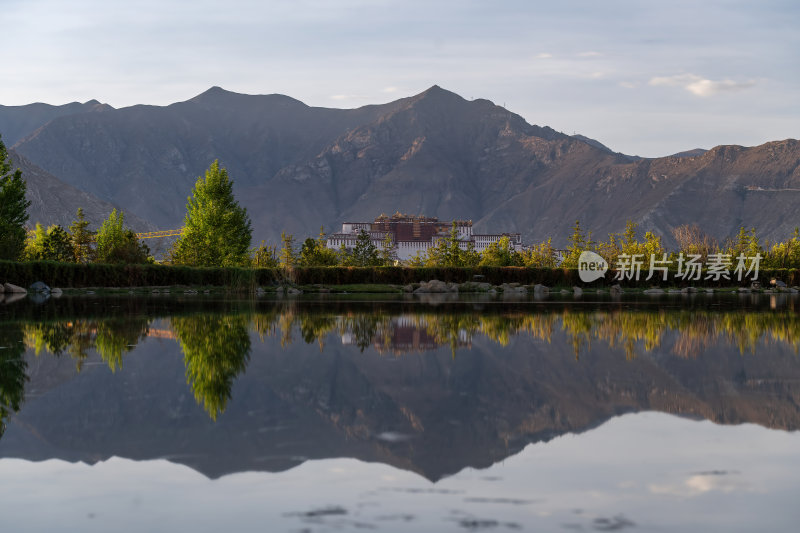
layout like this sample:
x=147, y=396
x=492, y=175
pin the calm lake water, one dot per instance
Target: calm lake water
x=201, y=413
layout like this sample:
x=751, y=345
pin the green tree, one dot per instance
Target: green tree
x=501, y=253
x=265, y=256
x=365, y=254
x=117, y=244
x=447, y=252
x=82, y=238
x=216, y=230
x=13, y=209
x=315, y=252
x=577, y=244
x=54, y=244
x=288, y=256
x=541, y=255
x=388, y=251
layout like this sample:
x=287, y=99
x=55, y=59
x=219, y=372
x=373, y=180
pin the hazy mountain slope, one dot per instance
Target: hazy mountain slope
x=17, y=122
x=55, y=202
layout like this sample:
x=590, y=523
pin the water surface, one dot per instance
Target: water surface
x=397, y=413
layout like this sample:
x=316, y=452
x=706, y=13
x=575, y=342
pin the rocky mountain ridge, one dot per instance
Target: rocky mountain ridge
x=297, y=168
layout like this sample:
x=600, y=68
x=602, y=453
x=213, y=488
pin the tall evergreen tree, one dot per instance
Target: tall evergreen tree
x=13, y=209
x=217, y=230
x=82, y=237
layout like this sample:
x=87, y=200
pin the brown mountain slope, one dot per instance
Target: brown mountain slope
x=147, y=158
x=297, y=168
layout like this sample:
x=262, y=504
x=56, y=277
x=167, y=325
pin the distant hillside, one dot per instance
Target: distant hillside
x=55, y=202
x=17, y=122
x=297, y=167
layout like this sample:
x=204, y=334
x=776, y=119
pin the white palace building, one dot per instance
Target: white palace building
x=415, y=234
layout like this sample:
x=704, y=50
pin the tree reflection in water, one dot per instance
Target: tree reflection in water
x=12, y=372
x=111, y=338
x=216, y=349
x=216, y=344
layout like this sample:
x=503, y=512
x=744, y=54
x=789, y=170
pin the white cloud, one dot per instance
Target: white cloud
x=629, y=84
x=390, y=90
x=701, y=86
x=544, y=55
x=590, y=54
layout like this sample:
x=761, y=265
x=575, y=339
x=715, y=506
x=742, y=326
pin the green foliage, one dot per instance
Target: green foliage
x=288, y=256
x=13, y=209
x=217, y=231
x=55, y=244
x=388, y=251
x=265, y=256
x=315, y=252
x=364, y=254
x=216, y=349
x=541, y=255
x=577, y=244
x=501, y=253
x=448, y=253
x=785, y=254
x=117, y=244
x=12, y=372
x=82, y=238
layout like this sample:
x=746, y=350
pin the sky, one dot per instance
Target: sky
x=644, y=78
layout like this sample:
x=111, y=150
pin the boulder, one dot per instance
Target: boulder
x=39, y=286
x=9, y=288
x=654, y=291
x=434, y=285
x=577, y=291
x=615, y=289
x=540, y=288
x=55, y=292
x=291, y=291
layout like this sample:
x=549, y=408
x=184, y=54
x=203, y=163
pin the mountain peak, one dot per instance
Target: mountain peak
x=436, y=92
x=214, y=93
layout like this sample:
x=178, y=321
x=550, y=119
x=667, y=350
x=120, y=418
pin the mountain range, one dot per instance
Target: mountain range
x=297, y=167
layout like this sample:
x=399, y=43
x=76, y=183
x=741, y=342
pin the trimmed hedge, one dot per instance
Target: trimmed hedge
x=101, y=275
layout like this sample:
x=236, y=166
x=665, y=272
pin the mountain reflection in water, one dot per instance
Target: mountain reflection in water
x=429, y=388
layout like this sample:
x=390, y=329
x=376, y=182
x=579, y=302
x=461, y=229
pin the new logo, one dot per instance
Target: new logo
x=591, y=267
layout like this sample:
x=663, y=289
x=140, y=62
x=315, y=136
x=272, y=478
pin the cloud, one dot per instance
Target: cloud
x=544, y=55
x=629, y=84
x=701, y=86
x=590, y=54
x=390, y=90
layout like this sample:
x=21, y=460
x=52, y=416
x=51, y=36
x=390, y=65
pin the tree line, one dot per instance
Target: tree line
x=217, y=232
